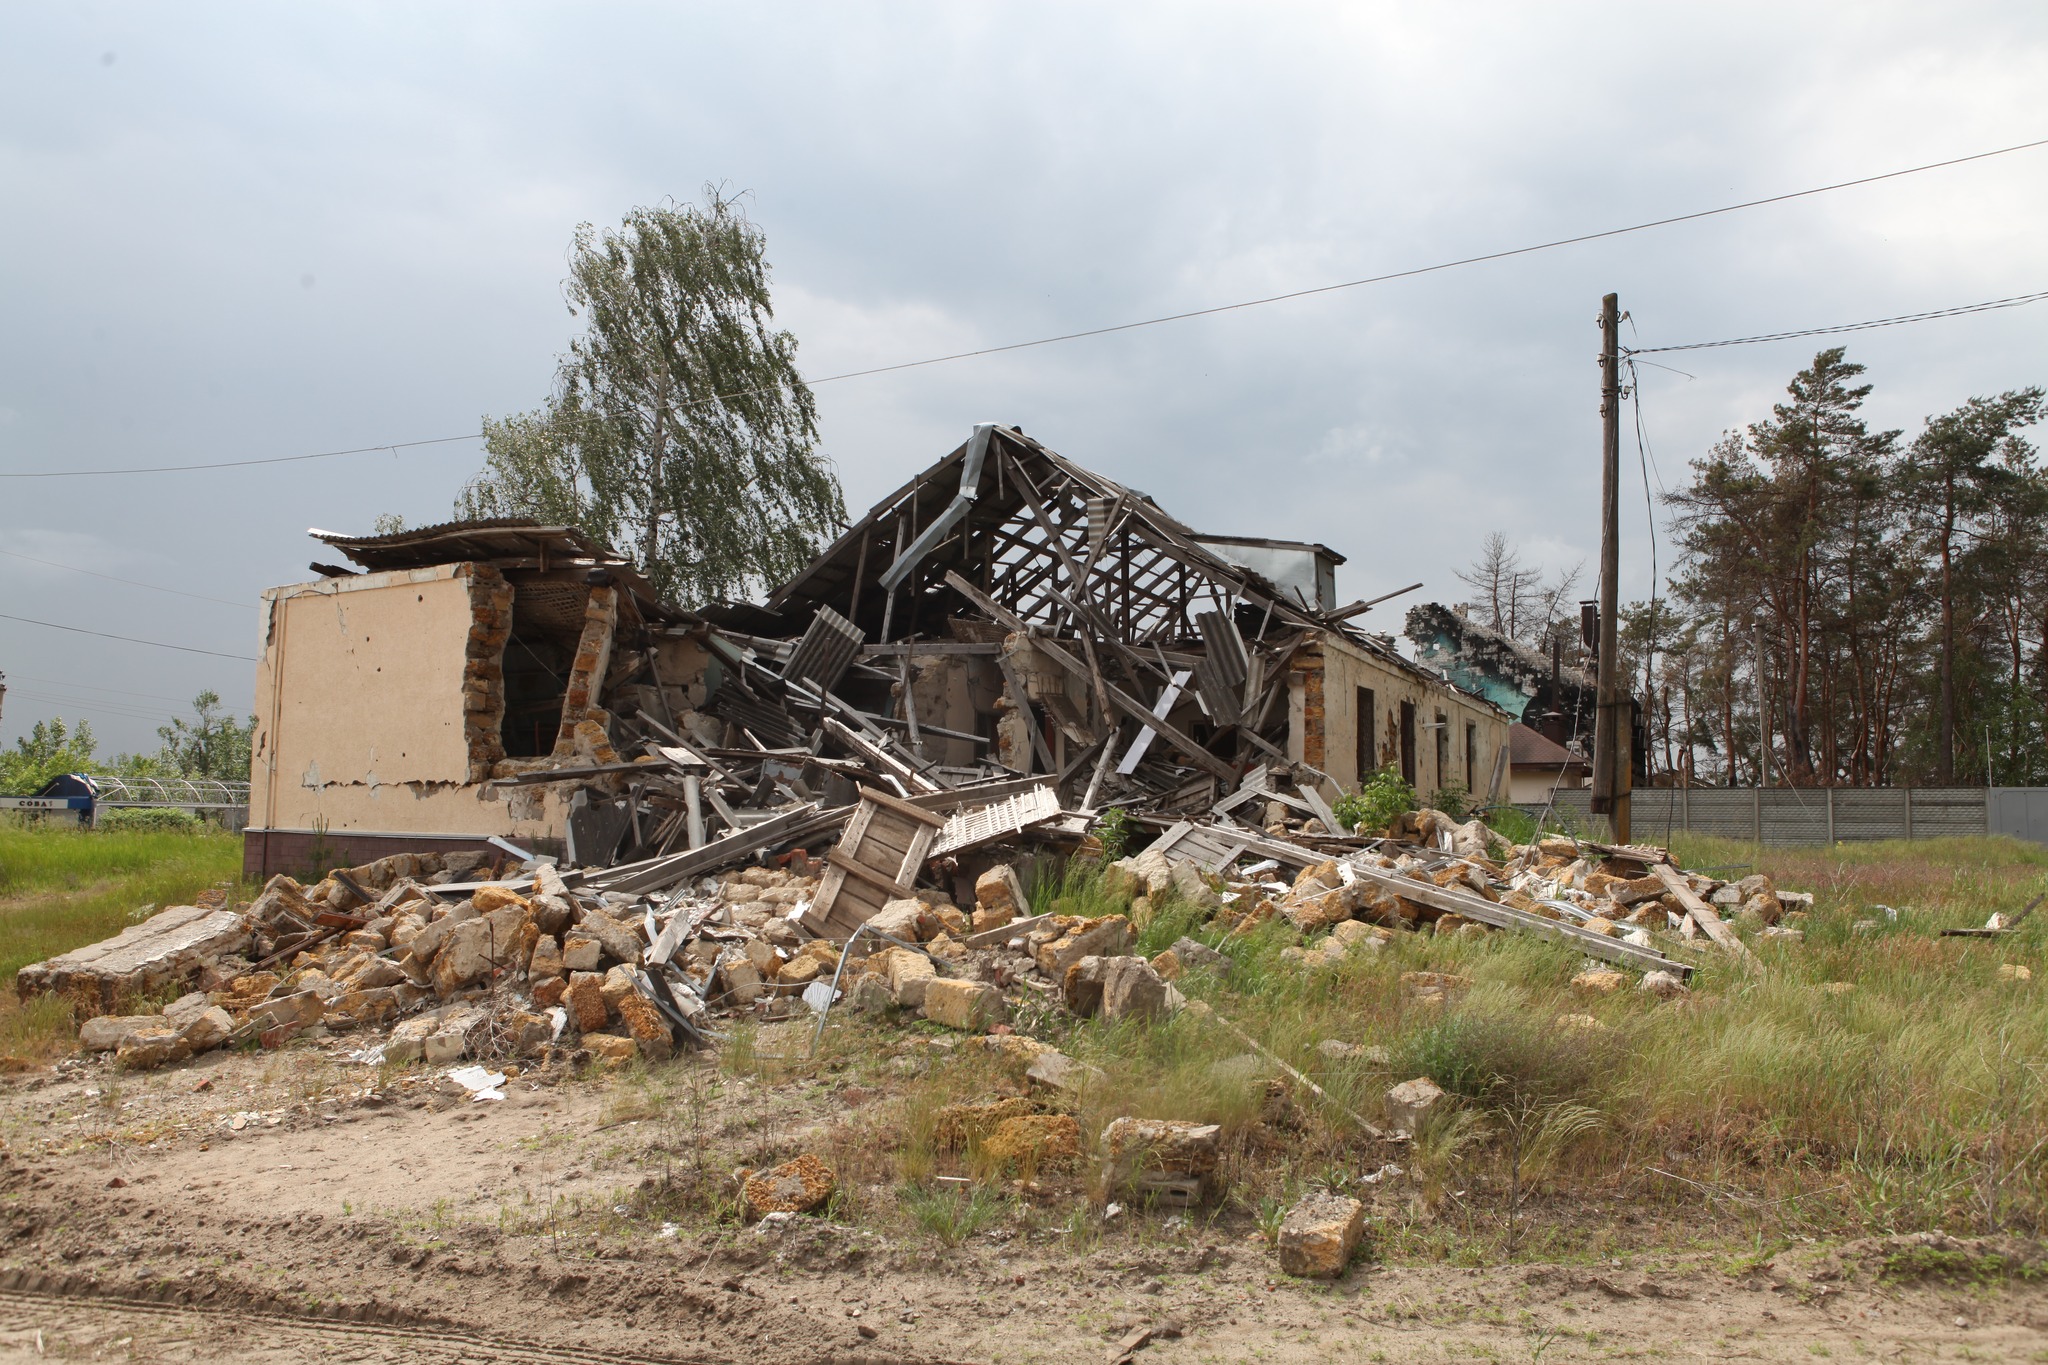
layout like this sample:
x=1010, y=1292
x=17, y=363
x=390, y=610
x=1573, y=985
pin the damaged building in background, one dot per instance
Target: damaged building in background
x=1005, y=614
x=1552, y=703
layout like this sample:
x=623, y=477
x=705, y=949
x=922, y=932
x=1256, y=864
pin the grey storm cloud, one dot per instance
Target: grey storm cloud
x=235, y=232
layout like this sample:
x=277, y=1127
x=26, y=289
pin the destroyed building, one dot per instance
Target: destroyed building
x=1006, y=612
x=1556, y=702
x=606, y=825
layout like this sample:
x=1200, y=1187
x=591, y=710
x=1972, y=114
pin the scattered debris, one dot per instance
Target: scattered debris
x=1319, y=1235
x=797, y=1186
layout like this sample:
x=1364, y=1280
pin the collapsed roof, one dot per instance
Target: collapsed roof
x=1053, y=543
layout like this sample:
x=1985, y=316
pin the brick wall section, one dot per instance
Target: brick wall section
x=586, y=677
x=483, y=671
x=1309, y=663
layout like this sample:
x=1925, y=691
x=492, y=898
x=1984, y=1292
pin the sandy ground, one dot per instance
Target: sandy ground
x=291, y=1207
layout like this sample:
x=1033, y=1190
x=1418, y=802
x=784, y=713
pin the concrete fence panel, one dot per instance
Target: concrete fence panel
x=1789, y=816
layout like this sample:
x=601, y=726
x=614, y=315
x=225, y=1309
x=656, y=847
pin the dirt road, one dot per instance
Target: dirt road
x=267, y=1208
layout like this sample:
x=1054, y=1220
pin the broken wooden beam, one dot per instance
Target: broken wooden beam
x=1123, y=700
x=1703, y=914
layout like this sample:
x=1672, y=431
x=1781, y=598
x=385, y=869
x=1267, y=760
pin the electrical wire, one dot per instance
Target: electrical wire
x=96, y=707
x=1444, y=265
x=133, y=583
x=128, y=639
x=1635, y=394
x=1960, y=310
x=393, y=446
x=89, y=687
x=1410, y=273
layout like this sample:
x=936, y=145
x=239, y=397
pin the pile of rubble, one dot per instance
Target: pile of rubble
x=441, y=958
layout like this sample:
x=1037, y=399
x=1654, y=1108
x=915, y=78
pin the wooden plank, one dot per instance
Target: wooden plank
x=857, y=827
x=869, y=875
x=890, y=838
x=881, y=757
x=913, y=858
x=902, y=807
x=1476, y=907
x=1702, y=913
x=1321, y=807
x=655, y=873
x=1135, y=755
x=963, y=797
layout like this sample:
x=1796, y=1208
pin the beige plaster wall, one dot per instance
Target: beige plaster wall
x=359, y=710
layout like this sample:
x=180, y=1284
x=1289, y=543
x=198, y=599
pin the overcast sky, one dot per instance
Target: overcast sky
x=232, y=232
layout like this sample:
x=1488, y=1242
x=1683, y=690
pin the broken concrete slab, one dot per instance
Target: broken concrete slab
x=173, y=945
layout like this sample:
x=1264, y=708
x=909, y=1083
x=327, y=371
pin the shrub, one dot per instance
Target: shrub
x=1374, y=805
x=162, y=818
x=952, y=1215
x=1114, y=831
x=1453, y=800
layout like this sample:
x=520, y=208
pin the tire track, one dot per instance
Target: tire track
x=365, y=1326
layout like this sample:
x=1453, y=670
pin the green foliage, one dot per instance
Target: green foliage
x=1113, y=829
x=1374, y=805
x=952, y=1215
x=1958, y=1265
x=1075, y=887
x=210, y=745
x=681, y=430
x=1515, y=826
x=49, y=750
x=1453, y=800
x=1850, y=607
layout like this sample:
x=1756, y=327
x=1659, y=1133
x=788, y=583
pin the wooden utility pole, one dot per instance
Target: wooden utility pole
x=1612, y=768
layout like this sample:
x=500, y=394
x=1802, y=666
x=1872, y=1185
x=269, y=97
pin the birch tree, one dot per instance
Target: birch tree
x=680, y=430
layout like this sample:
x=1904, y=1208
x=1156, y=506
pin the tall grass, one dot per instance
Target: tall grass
x=62, y=888
x=1915, y=1098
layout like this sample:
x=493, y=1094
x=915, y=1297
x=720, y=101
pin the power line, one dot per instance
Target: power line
x=129, y=639
x=133, y=583
x=392, y=446
x=1447, y=265
x=2017, y=300
x=1145, y=322
x=96, y=707
x=89, y=687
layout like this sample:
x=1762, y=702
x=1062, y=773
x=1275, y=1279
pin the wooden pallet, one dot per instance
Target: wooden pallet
x=876, y=861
